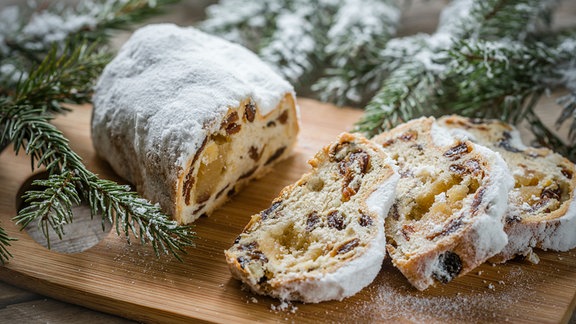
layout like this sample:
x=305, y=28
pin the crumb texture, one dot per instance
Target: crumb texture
x=450, y=202
x=541, y=210
x=320, y=233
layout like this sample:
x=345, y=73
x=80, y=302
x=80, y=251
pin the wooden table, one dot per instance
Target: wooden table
x=19, y=305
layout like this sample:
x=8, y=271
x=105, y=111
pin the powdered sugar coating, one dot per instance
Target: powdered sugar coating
x=489, y=226
x=168, y=88
x=561, y=237
x=356, y=274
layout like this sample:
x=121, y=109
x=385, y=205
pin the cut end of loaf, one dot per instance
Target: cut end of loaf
x=245, y=146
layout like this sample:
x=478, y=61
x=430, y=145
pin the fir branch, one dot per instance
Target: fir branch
x=338, y=40
x=251, y=22
x=29, y=34
x=545, y=137
x=496, y=79
x=63, y=76
x=568, y=103
x=354, y=69
x=135, y=215
x=405, y=94
x=292, y=46
x=60, y=67
x=29, y=127
x=478, y=69
x=512, y=19
x=53, y=206
x=4, y=244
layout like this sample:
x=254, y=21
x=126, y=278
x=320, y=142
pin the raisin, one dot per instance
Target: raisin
x=248, y=246
x=540, y=204
x=551, y=193
x=232, y=118
x=406, y=231
x=449, y=267
x=258, y=255
x=471, y=166
x=262, y=280
x=388, y=143
x=408, y=136
x=513, y=219
x=250, y=111
x=348, y=246
x=254, y=154
x=189, y=180
x=248, y=173
x=365, y=220
x=266, y=213
x=271, y=124
x=362, y=160
x=312, y=220
x=276, y=155
x=505, y=143
x=283, y=118
x=340, y=151
x=394, y=212
x=456, y=151
x=243, y=261
x=336, y=220
x=452, y=226
x=458, y=169
x=233, y=128
x=477, y=200
x=567, y=173
x=347, y=192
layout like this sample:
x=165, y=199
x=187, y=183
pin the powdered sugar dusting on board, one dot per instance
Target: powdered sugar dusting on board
x=393, y=299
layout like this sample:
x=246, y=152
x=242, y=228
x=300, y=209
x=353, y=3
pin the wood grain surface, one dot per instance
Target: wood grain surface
x=129, y=281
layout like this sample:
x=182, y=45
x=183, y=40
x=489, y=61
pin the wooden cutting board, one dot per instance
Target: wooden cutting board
x=130, y=281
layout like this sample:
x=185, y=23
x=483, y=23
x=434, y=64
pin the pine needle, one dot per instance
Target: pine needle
x=46, y=75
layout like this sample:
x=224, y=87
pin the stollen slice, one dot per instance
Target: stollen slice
x=451, y=199
x=322, y=238
x=542, y=211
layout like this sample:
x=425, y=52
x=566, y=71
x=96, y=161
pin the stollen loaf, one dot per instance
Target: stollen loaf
x=188, y=118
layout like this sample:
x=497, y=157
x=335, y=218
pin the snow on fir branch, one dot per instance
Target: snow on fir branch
x=492, y=58
x=50, y=56
x=311, y=41
x=496, y=61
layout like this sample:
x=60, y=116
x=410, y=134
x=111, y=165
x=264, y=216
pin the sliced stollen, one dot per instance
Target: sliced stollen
x=542, y=208
x=322, y=238
x=189, y=118
x=450, y=202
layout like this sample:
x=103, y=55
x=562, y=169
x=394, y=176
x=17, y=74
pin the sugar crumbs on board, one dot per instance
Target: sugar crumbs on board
x=392, y=299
